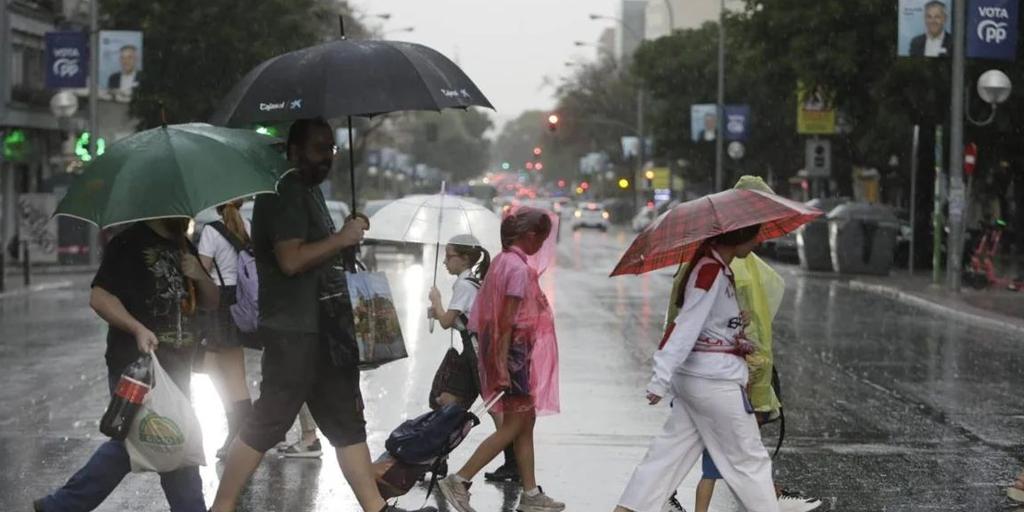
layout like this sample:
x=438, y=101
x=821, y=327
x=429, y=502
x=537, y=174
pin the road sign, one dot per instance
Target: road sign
x=819, y=158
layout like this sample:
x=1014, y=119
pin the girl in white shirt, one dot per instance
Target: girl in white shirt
x=219, y=244
x=701, y=363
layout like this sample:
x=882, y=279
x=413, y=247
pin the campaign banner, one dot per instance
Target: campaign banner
x=815, y=111
x=703, y=122
x=992, y=29
x=737, y=122
x=120, y=60
x=924, y=28
x=67, y=59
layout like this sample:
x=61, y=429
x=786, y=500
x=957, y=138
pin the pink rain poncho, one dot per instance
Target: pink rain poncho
x=521, y=358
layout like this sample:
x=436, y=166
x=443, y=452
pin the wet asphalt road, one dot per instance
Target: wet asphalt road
x=888, y=407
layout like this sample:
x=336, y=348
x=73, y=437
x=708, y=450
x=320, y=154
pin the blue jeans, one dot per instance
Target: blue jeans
x=87, y=489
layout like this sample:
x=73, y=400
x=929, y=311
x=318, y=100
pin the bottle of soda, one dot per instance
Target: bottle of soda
x=132, y=388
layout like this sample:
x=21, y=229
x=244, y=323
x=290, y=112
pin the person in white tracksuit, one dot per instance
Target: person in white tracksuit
x=701, y=364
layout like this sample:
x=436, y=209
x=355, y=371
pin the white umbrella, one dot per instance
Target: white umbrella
x=436, y=219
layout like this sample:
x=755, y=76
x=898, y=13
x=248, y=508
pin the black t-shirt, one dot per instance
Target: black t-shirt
x=143, y=270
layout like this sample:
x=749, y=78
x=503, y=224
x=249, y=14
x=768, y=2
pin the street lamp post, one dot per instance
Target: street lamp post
x=720, y=107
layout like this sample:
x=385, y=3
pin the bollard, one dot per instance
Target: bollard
x=27, y=266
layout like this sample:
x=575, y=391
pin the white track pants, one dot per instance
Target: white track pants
x=706, y=414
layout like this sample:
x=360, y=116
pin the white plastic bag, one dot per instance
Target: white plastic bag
x=165, y=434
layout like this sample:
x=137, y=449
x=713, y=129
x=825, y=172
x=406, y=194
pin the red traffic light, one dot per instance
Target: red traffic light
x=529, y=166
x=584, y=185
x=561, y=183
x=538, y=166
x=537, y=151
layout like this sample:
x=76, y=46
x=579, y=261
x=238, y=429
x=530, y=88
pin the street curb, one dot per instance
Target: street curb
x=934, y=307
x=56, y=285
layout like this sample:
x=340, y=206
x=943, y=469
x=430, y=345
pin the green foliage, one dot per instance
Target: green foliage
x=452, y=141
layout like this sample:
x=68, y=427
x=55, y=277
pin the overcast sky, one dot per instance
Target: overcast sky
x=508, y=47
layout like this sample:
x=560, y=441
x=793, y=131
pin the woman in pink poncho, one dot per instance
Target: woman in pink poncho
x=518, y=354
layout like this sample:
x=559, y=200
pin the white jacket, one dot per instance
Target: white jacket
x=706, y=335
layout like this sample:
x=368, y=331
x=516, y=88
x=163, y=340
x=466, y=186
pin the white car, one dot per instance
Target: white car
x=591, y=215
x=339, y=211
x=644, y=218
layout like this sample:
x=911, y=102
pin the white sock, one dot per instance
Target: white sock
x=532, y=492
x=460, y=480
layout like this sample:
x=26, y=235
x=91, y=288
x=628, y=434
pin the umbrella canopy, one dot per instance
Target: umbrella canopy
x=173, y=171
x=436, y=219
x=675, y=236
x=349, y=78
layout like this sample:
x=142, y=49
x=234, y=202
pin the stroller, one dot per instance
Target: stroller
x=423, y=444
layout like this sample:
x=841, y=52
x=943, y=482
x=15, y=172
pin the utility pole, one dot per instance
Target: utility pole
x=957, y=197
x=720, y=124
x=94, y=72
x=6, y=175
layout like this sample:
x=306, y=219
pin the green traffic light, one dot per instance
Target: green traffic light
x=82, y=147
x=506, y=166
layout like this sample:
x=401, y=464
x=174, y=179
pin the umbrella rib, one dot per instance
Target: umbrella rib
x=419, y=75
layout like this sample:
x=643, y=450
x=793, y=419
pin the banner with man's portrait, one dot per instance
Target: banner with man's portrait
x=924, y=28
x=703, y=122
x=120, y=62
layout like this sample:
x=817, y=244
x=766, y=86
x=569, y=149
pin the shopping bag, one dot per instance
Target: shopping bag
x=165, y=434
x=378, y=334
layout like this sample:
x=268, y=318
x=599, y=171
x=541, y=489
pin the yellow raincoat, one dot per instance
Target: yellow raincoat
x=759, y=289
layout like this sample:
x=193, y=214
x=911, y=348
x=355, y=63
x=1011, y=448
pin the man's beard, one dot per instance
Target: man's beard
x=315, y=172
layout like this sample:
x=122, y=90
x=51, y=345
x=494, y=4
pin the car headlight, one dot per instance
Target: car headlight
x=578, y=214
x=605, y=215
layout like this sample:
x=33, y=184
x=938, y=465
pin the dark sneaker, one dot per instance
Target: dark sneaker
x=673, y=505
x=795, y=502
x=456, y=493
x=506, y=473
x=298, y=450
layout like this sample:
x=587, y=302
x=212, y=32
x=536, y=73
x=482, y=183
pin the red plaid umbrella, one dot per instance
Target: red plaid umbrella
x=675, y=236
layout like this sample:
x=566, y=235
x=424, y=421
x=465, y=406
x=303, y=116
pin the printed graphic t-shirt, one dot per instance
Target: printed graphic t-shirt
x=143, y=270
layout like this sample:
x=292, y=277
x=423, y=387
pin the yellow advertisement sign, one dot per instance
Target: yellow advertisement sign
x=662, y=178
x=815, y=111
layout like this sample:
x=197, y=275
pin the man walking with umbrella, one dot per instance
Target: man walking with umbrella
x=296, y=252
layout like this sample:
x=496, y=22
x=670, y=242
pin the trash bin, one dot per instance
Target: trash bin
x=812, y=239
x=863, y=238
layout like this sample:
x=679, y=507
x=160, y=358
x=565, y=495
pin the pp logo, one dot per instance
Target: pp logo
x=992, y=31
x=65, y=67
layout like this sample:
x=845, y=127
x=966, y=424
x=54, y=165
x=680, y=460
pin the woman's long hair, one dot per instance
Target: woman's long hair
x=522, y=221
x=730, y=239
x=233, y=221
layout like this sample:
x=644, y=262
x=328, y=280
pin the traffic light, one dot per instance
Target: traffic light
x=14, y=145
x=538, y=166
x=82, y=147
x=553, y=122
x=505, y=166
x=561, y=183
x=529, y=166
x=649, y=175
x=537, y=151
x=584, y=185
x=623, y=183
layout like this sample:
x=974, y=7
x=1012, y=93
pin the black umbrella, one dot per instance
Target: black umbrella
x=348, y=78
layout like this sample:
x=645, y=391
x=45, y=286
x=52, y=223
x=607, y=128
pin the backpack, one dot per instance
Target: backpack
x=246, y=310
x=457, y=373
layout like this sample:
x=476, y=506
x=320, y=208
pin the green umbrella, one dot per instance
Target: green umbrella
x=173, y=171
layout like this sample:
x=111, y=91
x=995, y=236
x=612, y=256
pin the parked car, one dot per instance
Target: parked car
x=644, y=218
x=373, y=248
x=591, y=215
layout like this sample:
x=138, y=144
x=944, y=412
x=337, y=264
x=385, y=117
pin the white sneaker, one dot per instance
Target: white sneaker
x=795, y=503
x=539, y=503
x=455, y=493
